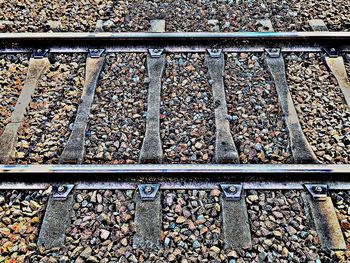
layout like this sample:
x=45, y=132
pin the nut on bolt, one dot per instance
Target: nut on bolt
x=232, y=189
x=318, y=189
x=61, y=189
x=148, y=189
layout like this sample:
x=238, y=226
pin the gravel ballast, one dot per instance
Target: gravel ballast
x=320, y=104
x=180, y=16
x=118, y=114
x=290, y=15
x=256, y=118
x=51, y=113
x=21, y=213
x=191, y=226
x=102, y=229
x=187, y=116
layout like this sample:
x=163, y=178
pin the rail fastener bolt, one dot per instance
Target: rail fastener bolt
x=232, y=189
x=318, y=189
x=61, y=189
x=148, y=189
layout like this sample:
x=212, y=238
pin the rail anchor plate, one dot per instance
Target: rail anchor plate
x=148, y=192
x=214, y=53
x=155, y=53
x=96, y=53
x=332, y=52
x=273, y=52
x=232, y=192
x=40, y=53
x=61, y=192
x=318, y=191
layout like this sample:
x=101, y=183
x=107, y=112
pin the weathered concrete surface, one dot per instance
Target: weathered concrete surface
x=8, y=140
x=265, y=25
x=57, y=218
x=337, y=67
x=151, y=151
x=301, y=149
x=225, y=149
x=235, y=224
x=74, y=150
x=318, y=25
x=157, y=26
x=325, y=220
x=148, y=223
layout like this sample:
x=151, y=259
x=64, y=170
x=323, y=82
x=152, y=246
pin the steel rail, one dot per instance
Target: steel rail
x=175, y=49
x=254, y=185
x=178, y=168
x=174, y=42
x=142, y=36
x=170, y=176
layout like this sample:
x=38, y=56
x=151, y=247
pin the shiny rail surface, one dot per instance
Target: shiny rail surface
x=174, y=42
x=177, y=168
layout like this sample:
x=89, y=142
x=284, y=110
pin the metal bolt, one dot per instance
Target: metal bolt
x=333, y=49
x=274, y=50
x=318, y=189
x=156, y=51
x=232, y=189
x=61, y=189
x=214, y=50
x=95, y=50
x=148, y=189
x=39, y=50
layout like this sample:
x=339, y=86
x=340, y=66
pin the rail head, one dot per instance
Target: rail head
x=178, y=168
x=174, y=41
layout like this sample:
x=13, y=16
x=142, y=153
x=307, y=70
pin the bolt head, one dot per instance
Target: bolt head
x=318, y=189
x=215, y=50
x=155, y=50
x=332, y=49
x=232, y=189
x=61, y=189
x=148, y=189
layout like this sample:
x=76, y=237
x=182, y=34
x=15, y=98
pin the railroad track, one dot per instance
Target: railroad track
x=150, y=178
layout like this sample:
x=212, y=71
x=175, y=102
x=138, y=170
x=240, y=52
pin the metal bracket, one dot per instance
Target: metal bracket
x=232, y=192
x=40, y=53
x=61, y=192
x=148, y=191
x=214, y=53
x=318, y=192
x=273, y=52
x=332, y=52
x=155, y=53
x=96, y=53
